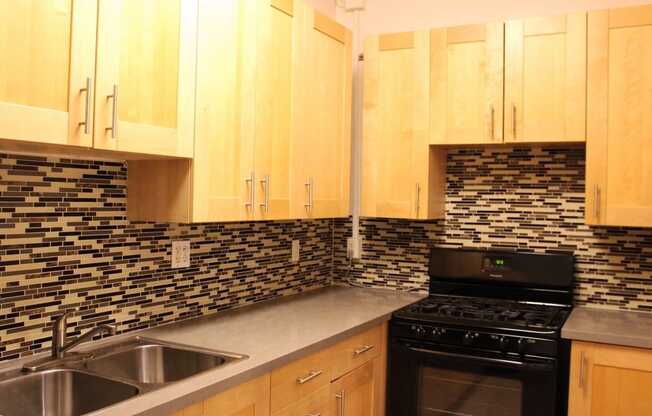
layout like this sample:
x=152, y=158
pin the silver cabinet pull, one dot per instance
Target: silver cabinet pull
x=310, y=186
x=114, y=116
x=249, y=182
x=313, y=414
x=266, y=188
x=87, y=106
x=418, y=200
x=514, y=120
x=597, y=202
x=311, y=375
x=363, y=349
x=341, y=397
x=582, y=380
x=493, y=123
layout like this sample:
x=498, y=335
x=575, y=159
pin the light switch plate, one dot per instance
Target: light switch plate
x=296, y=250
x=180, y=254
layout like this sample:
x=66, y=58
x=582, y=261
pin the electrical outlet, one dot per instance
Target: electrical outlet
x=180, y=254
x=296, y=250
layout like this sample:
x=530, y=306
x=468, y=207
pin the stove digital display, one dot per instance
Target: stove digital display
x=496, y=263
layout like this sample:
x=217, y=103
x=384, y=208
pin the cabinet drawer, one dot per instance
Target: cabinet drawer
x=318, y=403
x=355, y=351
x=300, y=379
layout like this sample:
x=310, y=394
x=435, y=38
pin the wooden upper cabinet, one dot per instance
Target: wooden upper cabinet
x=466, y=84
x=545, y=79
x=277, y=30
x=145, y=87
x=47, y=49
x=619, y=148
x=322, y=112
x=401, y=176
x=610, y=381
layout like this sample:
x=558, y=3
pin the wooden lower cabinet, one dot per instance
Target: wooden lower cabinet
x=248, y=399
x=347, y=379
x=610, y=380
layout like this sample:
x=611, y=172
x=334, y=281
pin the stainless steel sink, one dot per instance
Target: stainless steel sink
x=60, y=392
x=154, y=362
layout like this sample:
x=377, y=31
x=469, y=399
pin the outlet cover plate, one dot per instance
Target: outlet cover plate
x=180, y=254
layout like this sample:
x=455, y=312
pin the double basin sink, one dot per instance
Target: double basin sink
x=104, y=377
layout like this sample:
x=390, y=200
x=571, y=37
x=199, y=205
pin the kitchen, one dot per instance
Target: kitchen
x=343, y=208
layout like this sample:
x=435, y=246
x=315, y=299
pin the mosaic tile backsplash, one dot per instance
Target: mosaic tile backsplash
x=65, y=245
x=530, y=199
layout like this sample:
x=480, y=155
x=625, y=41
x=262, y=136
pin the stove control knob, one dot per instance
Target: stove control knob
x=520, y=346
x=503, y=343
x=469, y=337
x=418, y=330
x=436, y=333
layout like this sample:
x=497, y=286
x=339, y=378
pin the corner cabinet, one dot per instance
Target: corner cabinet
x=48, y=68
x=272, y=127
x=545, y=79
x=609, y=380
x=145, y=86
x=619, y=147
x=402, y=177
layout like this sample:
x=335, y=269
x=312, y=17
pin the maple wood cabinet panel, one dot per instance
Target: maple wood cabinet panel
x=322, y=112
x=466, y=84
x=402, y=177
x=619, y=145
x=48, y=70
x=145, y=86
x=545, y=79
x=610, y=381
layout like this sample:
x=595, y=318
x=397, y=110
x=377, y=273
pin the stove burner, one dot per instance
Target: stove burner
x=485, y=309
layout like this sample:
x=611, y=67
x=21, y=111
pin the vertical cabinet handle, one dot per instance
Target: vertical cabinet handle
x=418, y=199
x=114, y=117
x=493, y=123
x=597, y=202
x=266, y=188
x=87, y=105
x=583, y=368
x=250, y=183
x=310, y=186
x=514, y=120
x=341, y=397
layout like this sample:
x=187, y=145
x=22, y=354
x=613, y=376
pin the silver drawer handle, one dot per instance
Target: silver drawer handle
x=341, y=397
x=362, y=350
x=310, y=376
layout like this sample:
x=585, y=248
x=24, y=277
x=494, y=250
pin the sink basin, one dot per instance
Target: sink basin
x=62, y=392
x=153, y=362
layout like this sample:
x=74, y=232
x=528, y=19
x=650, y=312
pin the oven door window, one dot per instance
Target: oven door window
x=435, y=382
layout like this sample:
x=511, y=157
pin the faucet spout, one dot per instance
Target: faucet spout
x=60, y=343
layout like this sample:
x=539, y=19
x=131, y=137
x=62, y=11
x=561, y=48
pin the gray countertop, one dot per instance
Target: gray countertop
x=631, y=329
x=271, y=333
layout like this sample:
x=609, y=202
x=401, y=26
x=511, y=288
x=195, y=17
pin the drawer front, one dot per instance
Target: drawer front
x=318, y=403
x=300, y=378
x=357, y=350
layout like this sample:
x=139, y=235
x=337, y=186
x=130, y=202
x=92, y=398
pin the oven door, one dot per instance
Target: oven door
x=428, y=380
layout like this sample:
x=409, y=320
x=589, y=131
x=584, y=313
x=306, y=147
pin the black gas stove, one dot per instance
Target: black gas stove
x=487, y=339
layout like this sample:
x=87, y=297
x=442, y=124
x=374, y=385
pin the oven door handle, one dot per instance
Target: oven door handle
x=501, y=361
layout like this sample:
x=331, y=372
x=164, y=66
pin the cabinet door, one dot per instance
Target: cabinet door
x=619, y=148
x=248, y=399
x=48, y=63
x=146, y=52
x=354, y=393
x=545, y=79
x=399, y=173
x=224, y=181
x=467, y=84
x=277, y=30
x=322, y=135
x=610, y=381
